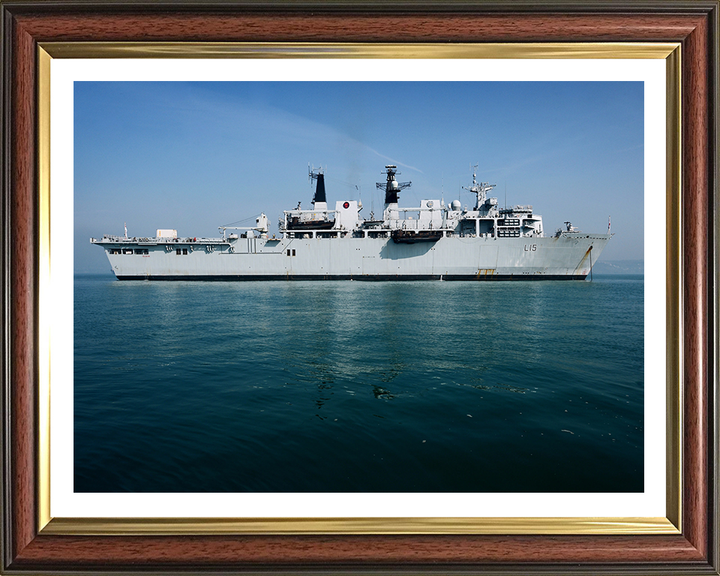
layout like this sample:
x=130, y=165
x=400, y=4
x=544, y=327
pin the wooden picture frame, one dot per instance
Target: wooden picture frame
x=28, y=547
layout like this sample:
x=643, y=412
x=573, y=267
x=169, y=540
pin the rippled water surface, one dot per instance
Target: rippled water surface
x=358, y=386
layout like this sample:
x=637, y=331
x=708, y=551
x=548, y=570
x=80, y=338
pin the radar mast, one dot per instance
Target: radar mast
x=391, y=186
x=480, y=189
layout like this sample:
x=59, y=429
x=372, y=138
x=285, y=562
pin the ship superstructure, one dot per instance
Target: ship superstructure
x=431, y=241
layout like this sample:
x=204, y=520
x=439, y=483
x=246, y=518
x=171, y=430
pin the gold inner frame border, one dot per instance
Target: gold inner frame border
x=671, y=524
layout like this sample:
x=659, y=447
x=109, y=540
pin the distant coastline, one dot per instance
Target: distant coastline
x=619, y=267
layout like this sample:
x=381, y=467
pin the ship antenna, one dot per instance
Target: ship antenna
x=126, y=230
x=478, y=188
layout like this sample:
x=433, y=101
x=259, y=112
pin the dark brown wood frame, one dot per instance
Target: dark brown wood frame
x=694, y=24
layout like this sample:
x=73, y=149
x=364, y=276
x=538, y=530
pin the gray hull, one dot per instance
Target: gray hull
x=569, y=256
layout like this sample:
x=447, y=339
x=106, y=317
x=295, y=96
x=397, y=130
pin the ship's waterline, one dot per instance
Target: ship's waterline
x=434, y=241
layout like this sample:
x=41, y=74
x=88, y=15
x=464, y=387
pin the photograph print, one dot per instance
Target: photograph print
x=354, y=287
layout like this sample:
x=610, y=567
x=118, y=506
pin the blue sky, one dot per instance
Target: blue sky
x=196, y=155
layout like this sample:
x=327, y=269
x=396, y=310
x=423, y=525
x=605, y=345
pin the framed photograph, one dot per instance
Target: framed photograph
x=284, y=425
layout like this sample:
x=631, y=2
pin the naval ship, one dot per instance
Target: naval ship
x=433, y=241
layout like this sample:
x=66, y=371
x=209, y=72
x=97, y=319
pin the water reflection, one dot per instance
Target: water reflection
x=381, y=393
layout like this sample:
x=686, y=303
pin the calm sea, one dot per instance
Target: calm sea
x=359, y=386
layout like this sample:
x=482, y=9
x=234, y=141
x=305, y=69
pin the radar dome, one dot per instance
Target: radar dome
x=456, y=205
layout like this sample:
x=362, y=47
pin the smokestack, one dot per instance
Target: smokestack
x=320, y=189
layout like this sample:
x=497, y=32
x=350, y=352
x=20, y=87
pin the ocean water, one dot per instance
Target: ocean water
x=358, y=386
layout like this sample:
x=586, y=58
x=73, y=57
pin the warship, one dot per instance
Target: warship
x=433, y=241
